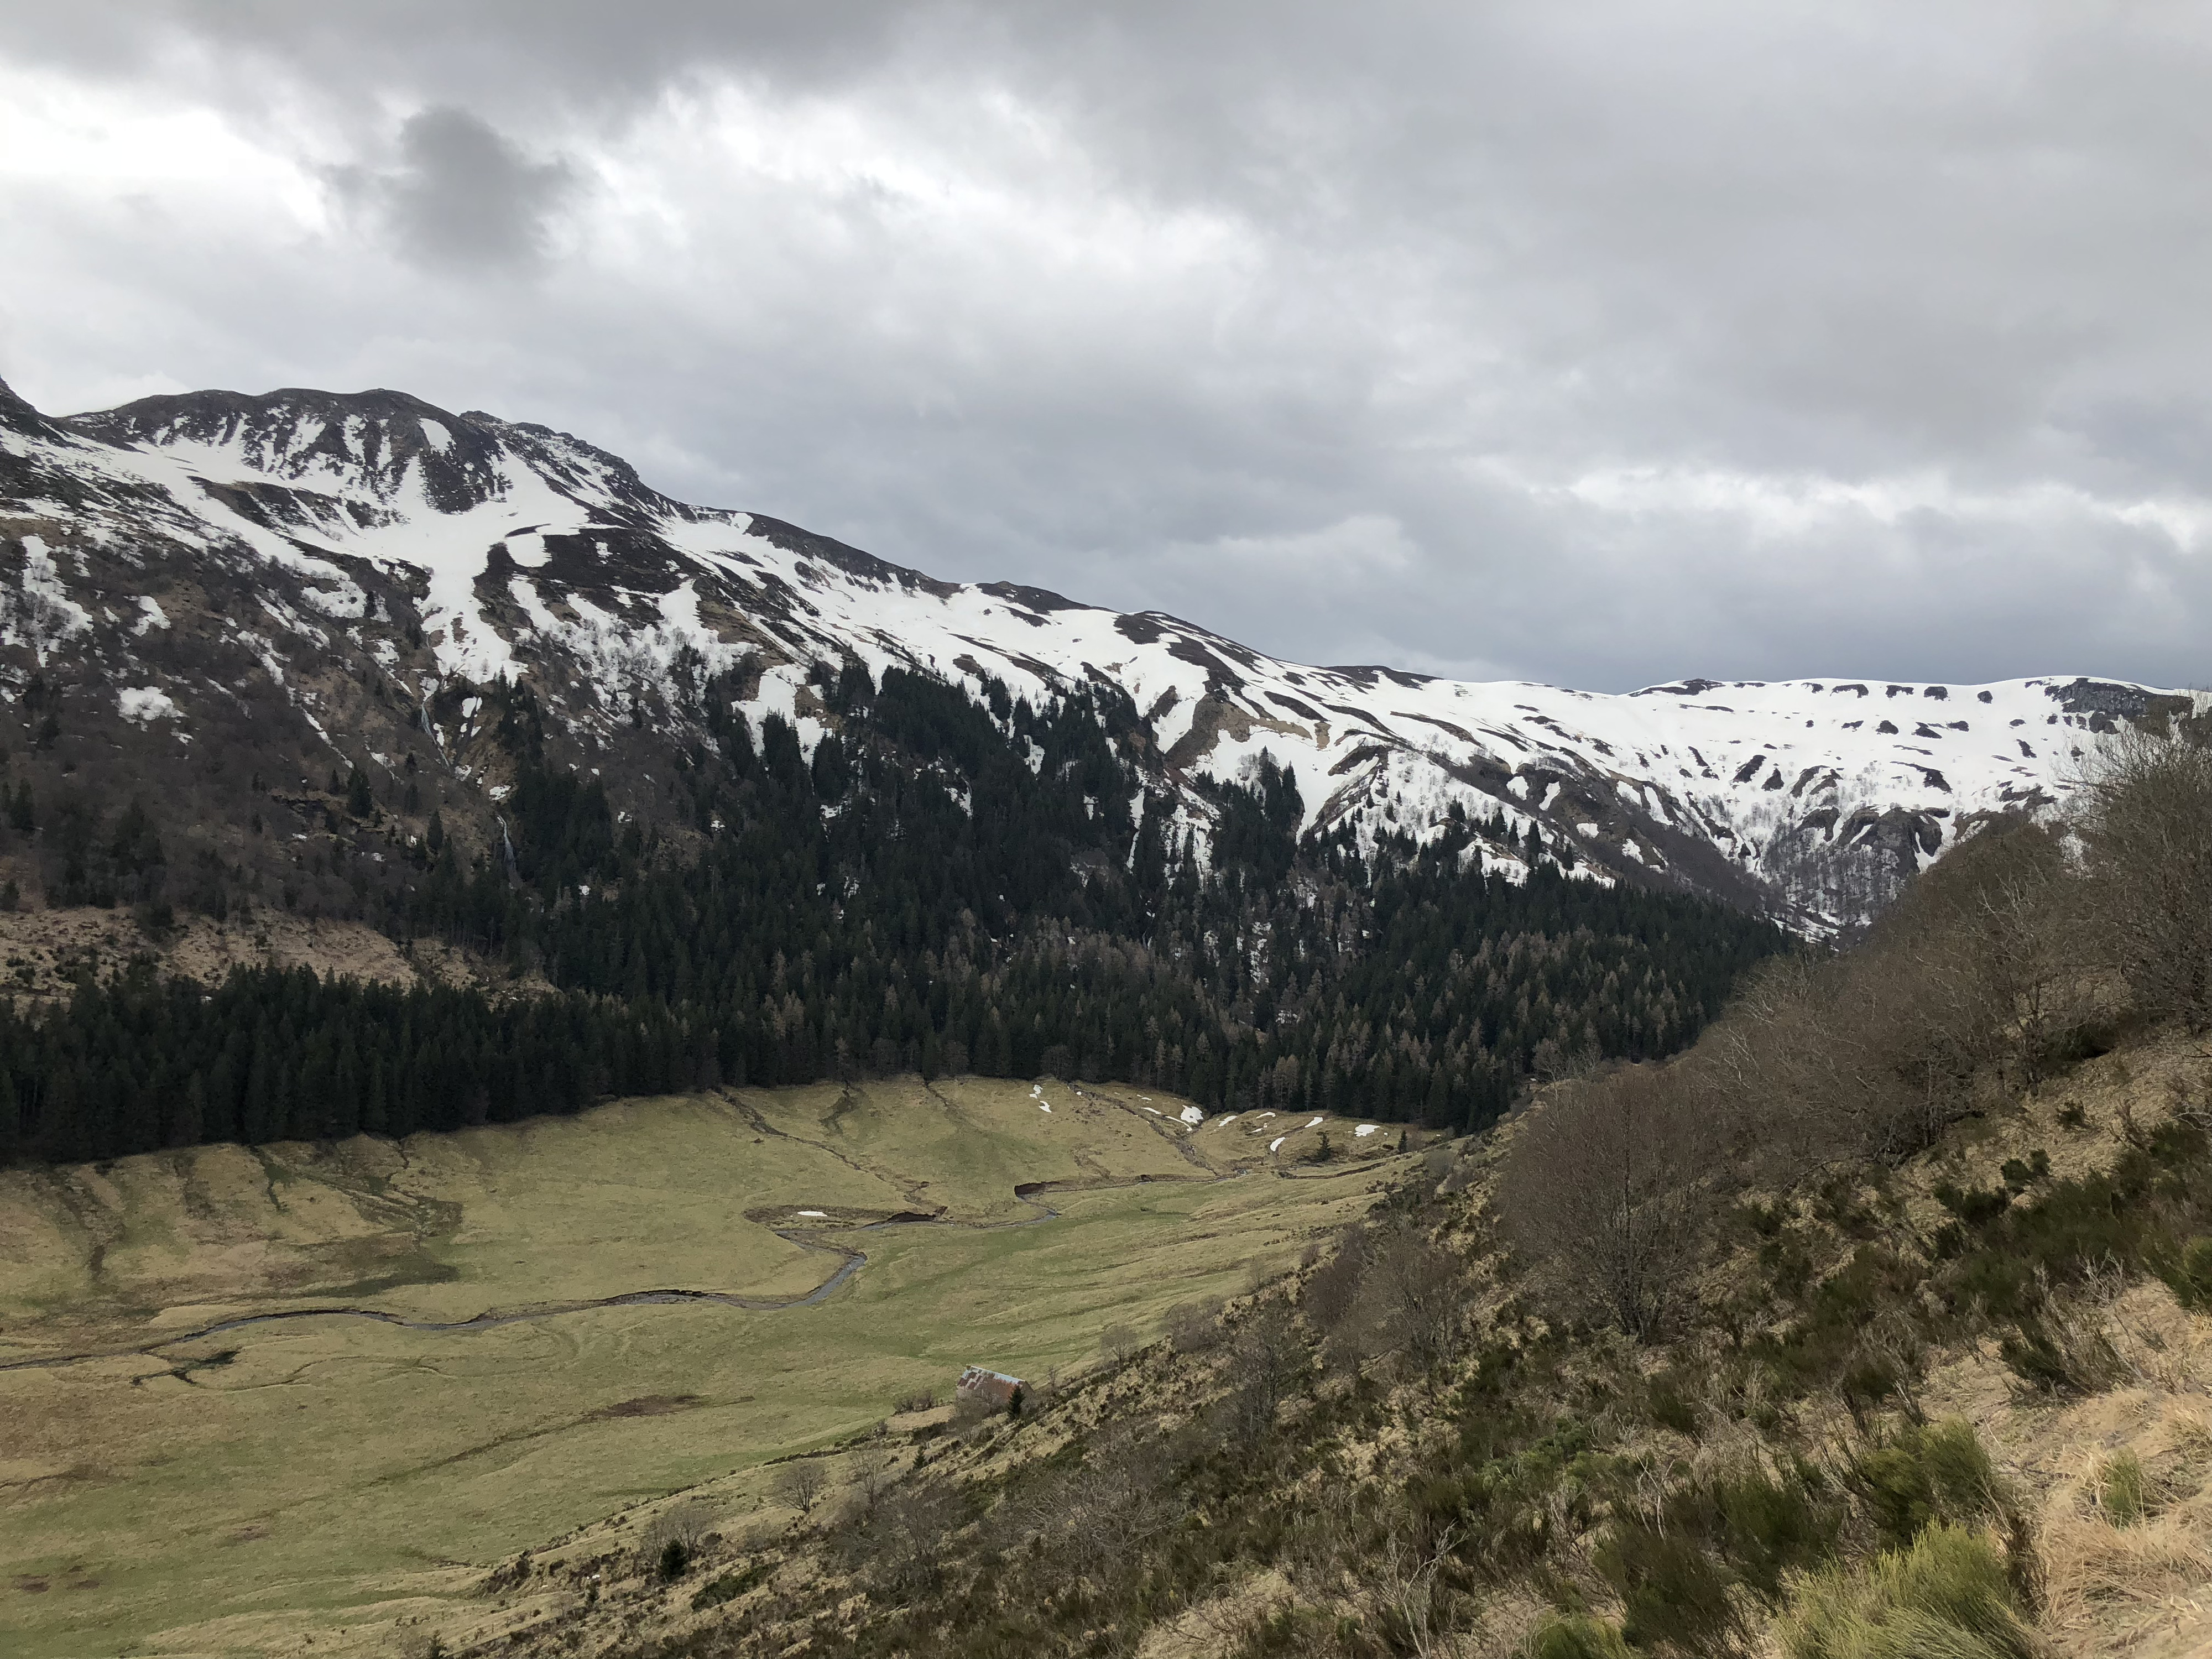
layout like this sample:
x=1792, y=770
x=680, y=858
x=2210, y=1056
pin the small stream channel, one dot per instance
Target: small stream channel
x=493, y=1319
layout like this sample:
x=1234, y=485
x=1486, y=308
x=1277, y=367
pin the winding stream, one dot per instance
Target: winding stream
x=492, y=1319
x=1028, y=1192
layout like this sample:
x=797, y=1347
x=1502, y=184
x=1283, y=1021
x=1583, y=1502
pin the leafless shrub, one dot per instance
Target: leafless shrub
x=1194, y=1327
x=971, y=1416
x=1333, y=1290
x=1415, y=1610
x=1816, y=1056
x=2188, y=1105
x=1326, y=1549
x=1554, y=1062
x=686, y=1522
x=1119, y=1342
x=1103, y=1510
x=1362, y=1335
x=1872, y=1055
x=1421, y=1290
x=1605, y=1185
x=1267, y=1360
x=1388, y=1291
x=799, y=1483
x=902, y=1541
x=917, y=1399
x=869, y=1470
x=2146, y=817
x=1464, y=1175
x=2004, y=919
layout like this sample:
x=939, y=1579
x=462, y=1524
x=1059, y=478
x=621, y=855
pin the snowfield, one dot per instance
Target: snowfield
x=1809, y=799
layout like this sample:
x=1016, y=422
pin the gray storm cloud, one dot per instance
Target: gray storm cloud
x=463, y=195
x=1599, y=344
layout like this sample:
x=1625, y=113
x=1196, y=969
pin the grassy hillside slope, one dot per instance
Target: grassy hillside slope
x=323, y=1477
x=1878, y=1325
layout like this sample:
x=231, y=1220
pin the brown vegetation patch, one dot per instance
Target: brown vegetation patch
x=44, y=952
x=649, y=1405
x=820, y=1218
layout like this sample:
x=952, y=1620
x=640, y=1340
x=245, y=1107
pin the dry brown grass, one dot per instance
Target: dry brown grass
x=43, y=951
x=2135, y=1586
x=2135, y=1591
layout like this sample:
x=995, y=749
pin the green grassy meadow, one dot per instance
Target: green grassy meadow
x=322, y=1478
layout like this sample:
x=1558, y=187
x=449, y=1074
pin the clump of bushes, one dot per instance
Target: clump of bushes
x=1680, y=1574
x=1945, y=1596
x=1671, y=1590
x=2148, y=824
x=1670, y=1406
x=1976, y=983
x=2125, y=1492
x=1926, y=1477
x=730, y=1586
x=677, y=1536
x=1576, y=1636
x=2190, y=1277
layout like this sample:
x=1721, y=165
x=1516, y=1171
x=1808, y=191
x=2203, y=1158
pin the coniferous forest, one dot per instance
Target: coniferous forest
x=944, y=886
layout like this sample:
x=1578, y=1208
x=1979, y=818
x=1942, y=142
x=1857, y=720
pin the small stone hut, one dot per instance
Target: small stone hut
x=993, y=1389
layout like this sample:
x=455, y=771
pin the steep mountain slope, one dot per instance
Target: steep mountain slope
x=210, y=596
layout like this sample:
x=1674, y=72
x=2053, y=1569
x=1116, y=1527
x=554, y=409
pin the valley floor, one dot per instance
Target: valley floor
x=319, y=1483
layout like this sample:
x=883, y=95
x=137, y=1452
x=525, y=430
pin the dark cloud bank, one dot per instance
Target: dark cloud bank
x=1598, y=344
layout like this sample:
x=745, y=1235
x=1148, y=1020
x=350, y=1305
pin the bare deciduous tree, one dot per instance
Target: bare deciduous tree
x=674, y=1538
x=1420, y=1287
x=970, y=1414
x=1267, y=1362
x=1874, y=1054
x=1194, y=1327
x=799, y=1483
x=1603, y=1183
x=687, y=1523
x=870, y=1471
x=903, y=1540
x=1102, y=1510
x=1405, y=1587
x=1333, y=1291
x=2146, y=818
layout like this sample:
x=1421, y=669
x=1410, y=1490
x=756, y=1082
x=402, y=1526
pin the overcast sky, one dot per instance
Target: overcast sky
x=1599, y=344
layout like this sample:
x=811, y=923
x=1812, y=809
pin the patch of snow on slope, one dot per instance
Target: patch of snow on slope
x=144, y=704
x=43, y=615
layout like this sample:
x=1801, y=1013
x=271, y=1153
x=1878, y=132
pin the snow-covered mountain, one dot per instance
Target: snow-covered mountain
x=304, y=581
